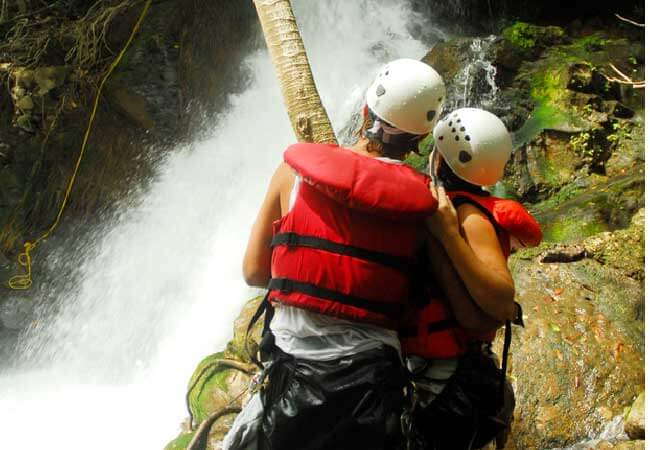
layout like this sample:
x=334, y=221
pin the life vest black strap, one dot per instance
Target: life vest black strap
x=290, y=239
x=462, y=199
x=286, y=286
x=441, y=325
x=507, y=339
x=433, y=327
x=265, y=308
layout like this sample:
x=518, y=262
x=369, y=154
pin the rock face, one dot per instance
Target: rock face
x=579, y=360
x=221, y=380
x=635, y=420
x=176, y=73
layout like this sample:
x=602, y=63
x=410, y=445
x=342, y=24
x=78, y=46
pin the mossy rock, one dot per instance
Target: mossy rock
x=527, y=37
x=238, y=347
x=582, y=350
x=635, y=419
x=590, y=205
x=622, y=249
x=215, y=385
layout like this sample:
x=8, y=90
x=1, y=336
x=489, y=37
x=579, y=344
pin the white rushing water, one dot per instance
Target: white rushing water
x=163, y=284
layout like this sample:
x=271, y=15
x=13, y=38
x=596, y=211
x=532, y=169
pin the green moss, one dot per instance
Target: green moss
x=521, y=34
x=526, y=36
x=548, y=86
x=572, y=228
x=181, y=442
x=591, y=43
x=543, y=117
x=206, y=378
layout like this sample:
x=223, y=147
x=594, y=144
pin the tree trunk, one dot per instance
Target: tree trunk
x=308, y=117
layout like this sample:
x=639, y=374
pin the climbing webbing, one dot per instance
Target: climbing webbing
x=24, y=281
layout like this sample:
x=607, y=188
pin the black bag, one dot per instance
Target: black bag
x=472, y=410
x=345, y=404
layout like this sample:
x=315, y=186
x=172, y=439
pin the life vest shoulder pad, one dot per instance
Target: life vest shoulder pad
x=510, y=215
x=390, y=190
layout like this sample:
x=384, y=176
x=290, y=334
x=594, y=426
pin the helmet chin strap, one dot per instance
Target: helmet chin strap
x=385, y=133
x=432, y=172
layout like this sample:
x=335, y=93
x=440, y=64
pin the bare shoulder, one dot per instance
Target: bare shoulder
x=471, y=217
x=282, y=183
x=479, y=233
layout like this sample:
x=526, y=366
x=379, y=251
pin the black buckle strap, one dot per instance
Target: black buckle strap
x=265, y=308
x=507, y=340
x=402, y=264
x=441, y=325
x=519, y=317
x=286, y=286
x=433, y=327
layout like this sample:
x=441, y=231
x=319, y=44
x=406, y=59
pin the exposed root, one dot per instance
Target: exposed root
x=89, y=33
x=200, y=439
x=213, y=367
x=624, y=79
x=642, y=25
x=83, y=39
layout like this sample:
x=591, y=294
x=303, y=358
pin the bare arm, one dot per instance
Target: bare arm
x=465, y=310
x=471, y=242
x=256, y=266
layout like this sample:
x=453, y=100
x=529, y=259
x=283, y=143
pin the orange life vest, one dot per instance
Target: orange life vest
x=348, y=245
x=434, y=334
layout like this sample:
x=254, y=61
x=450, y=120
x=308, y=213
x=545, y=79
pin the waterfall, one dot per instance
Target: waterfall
x=158, y=286
x=475, y=85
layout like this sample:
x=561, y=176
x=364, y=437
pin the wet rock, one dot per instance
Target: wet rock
x=447, y=58
x=529, y=40
x=15, y=312
x=132, y=105
x=222, y=380
x=622, y=249
x=630, y=445
x=48, y=78
x=584, y=339
x=218, y=382
x=580, y=76
x=25, y=103
x=238, y=347
x=564, y=254
x=635, y=420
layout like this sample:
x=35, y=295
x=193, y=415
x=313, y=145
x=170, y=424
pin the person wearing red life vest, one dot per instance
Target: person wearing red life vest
x=335, y=242
x=461, y=400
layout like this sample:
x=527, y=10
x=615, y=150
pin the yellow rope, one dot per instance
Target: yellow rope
x=24, y=281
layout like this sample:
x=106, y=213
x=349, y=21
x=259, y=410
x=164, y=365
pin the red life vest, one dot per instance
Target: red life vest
x=348, y=244
x=436, y=335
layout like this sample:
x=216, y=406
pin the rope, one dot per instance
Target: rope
x=24, y=281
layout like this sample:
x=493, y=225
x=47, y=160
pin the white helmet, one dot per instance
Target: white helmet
x=475, y=144
x=408, y=94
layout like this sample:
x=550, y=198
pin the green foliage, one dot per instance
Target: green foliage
x=521, y=34
x=548, y=86
x=621, y=131
x=206, y=378
x=579, y=143
x=526, y=36
x=572, y=228
x=591, y=43
x=420, y=160
x=543, y=117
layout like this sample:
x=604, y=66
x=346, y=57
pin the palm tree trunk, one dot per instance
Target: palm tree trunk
x=308, y=117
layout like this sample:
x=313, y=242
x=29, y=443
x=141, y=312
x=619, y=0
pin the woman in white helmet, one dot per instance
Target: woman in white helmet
x=475, y=231
x=332, y=240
